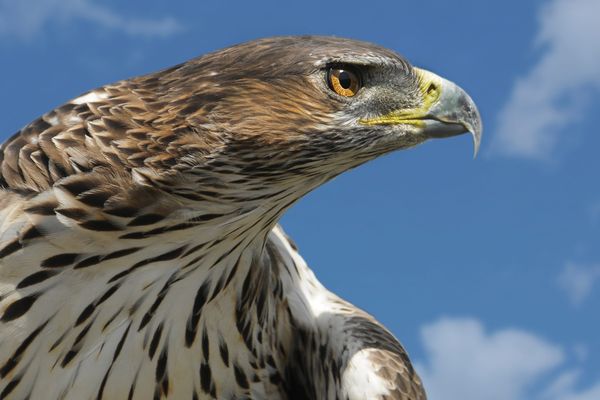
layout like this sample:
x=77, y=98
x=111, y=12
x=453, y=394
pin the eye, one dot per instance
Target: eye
x=344, y=82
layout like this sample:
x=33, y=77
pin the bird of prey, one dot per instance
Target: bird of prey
x=140, y=256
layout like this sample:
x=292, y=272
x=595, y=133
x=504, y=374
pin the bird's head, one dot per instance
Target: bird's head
x=304, y=109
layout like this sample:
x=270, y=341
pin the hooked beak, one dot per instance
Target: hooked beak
x=452, y=113
x=446, y=110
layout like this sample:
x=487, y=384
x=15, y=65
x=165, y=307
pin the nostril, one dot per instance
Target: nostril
x=432, y=89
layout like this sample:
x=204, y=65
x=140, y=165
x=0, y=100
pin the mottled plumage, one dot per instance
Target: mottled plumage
x=139, y=252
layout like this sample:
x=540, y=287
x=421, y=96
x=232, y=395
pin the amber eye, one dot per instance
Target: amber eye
x=343, y=81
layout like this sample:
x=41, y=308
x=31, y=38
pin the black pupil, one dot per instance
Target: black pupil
x=345, y=79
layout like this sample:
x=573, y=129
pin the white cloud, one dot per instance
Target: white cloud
x=578, y=281
x=553, y=94
x=466, y=362
x=25, y=19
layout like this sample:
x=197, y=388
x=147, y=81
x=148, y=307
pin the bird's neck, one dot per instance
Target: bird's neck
x=211, y=285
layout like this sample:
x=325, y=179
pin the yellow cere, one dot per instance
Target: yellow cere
x=430, y=90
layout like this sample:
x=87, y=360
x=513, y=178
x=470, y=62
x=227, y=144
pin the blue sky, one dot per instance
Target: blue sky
x=488, y=270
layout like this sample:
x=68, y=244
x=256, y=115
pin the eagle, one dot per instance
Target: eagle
x=140, y=251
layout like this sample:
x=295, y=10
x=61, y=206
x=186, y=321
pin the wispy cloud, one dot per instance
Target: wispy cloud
x=25, y=19
x=564, y=388
x=553, y=95
x=464, y=361
x=578, y=281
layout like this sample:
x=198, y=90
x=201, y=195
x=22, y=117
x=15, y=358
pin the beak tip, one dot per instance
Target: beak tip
x=477, y=131
x=475, y=147
x=474, y=125
x=476, y=135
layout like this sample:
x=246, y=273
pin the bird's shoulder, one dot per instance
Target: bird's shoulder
x=379, y=374
x=366, y=357
x=378, y=354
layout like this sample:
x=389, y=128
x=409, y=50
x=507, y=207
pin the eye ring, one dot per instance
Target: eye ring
x=343, y=81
